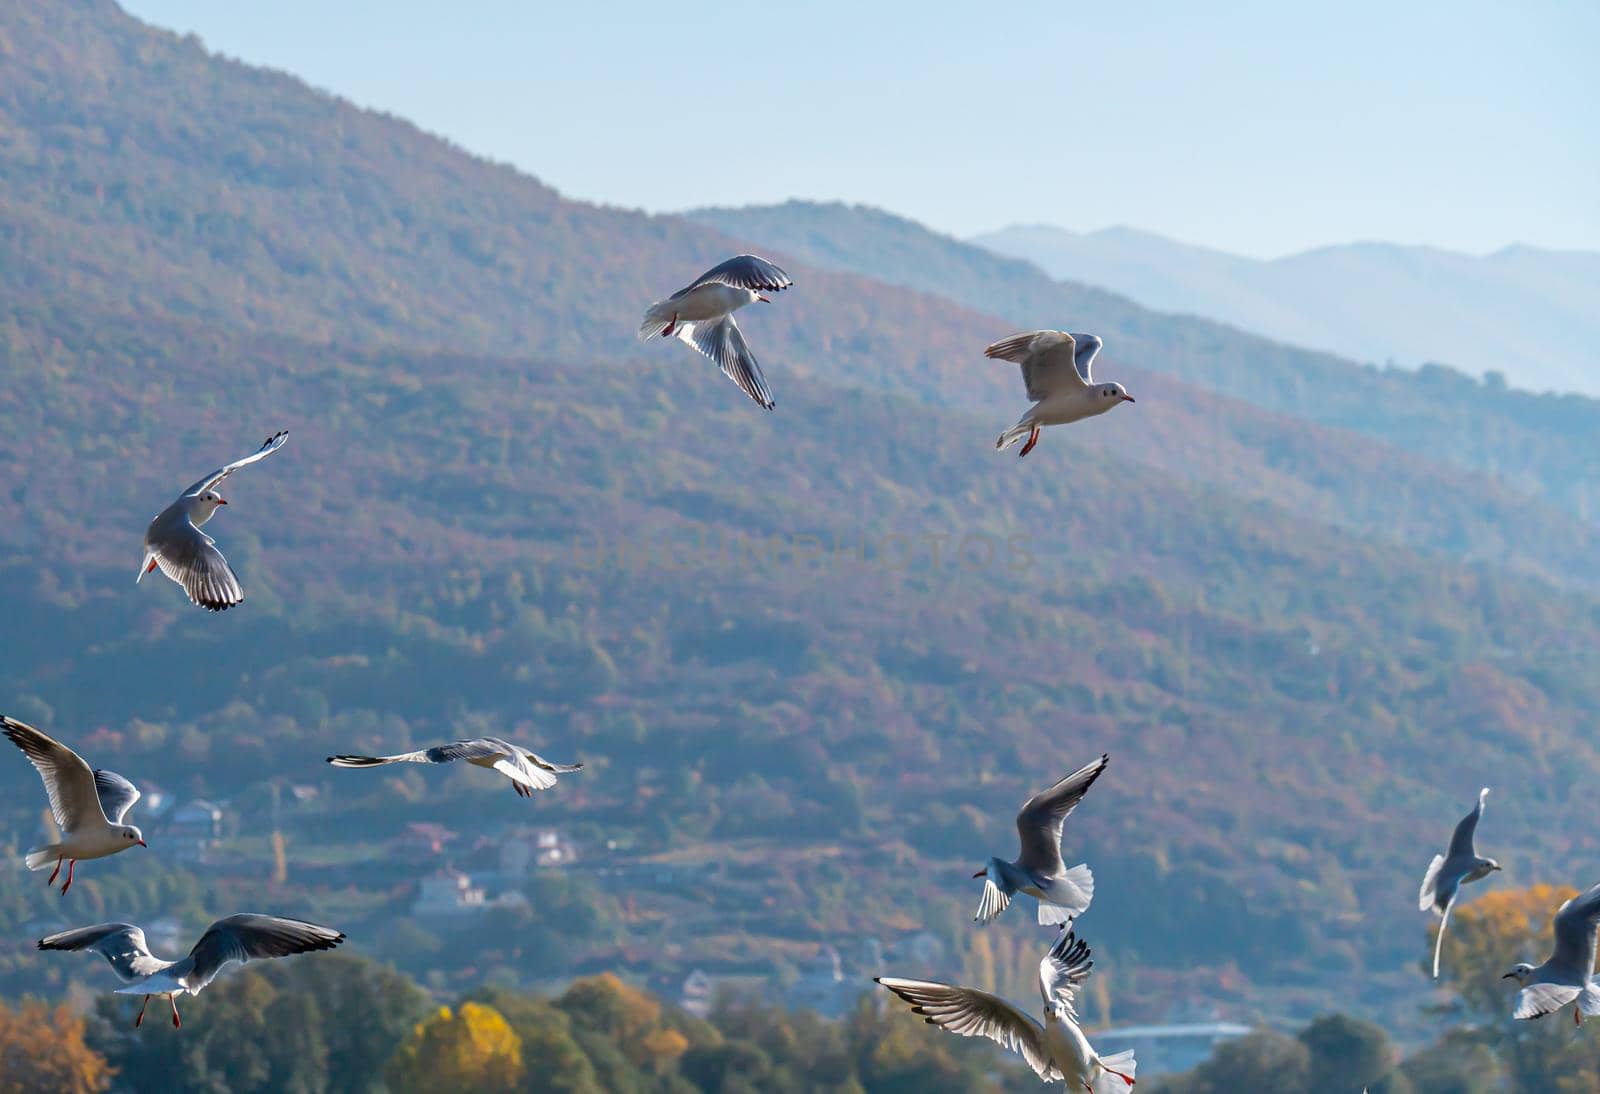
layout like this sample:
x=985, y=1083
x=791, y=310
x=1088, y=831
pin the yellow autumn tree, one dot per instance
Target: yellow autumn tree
x=41, y=1049
x=473, y=1050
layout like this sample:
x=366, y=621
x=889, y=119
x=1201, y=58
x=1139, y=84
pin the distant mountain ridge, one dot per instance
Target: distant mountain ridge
x=1525, y=312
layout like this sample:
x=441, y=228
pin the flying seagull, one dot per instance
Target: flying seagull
x=1057, y=371
x=239, y=938
x=88, y=805
x=1039, y=870
x=1446, y=874
x=1056, y=1050
x=1568, y=975
x=175, y=543
x=701, y=315
x=528, y=771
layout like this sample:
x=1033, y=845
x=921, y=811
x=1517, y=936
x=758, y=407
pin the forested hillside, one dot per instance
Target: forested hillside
x=812, y=660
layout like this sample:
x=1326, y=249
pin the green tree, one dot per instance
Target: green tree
x=1346, y=1053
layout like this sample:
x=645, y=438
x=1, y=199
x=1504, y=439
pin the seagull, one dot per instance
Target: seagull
x=1568, y=975
x=88, y=805
x=1039, y=871
x=527, y=771
x=1057, y=1050
x=1451, y=870
x=187, y=555
x=701, y=315
x=237, y=938
x=1057, y=370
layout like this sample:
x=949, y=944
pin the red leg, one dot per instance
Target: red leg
x=71, y=863
x=1033, y=439
x=139, y=1021
x=177, y=1023
x=54, y=872
x=1577, y=1016
x=1125, y=1078
x=672, y=326
x=150, y=569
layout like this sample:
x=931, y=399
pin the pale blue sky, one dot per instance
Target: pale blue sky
x=1262, y=128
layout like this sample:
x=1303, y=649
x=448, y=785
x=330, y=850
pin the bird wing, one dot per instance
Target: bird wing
x=1039, y=823
x=122, y=944
x=1085, y=348
x=1461, y=841
x=477, y=748
x=1063, y=968
x=116, y=794
x=742, y=272
x=1428, y=895
x=973, y=1013
x=1047, y=358
x=247, y=936
x=273, y=443
x=190, y=557
x=1575, y=925
x=1538, y=1000
x=724, y=343
x=68, y=781
x=549, y=765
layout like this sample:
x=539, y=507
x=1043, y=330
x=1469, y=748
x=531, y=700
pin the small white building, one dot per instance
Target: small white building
x=446, y=894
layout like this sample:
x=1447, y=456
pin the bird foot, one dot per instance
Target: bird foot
x=672, y=326
x=1125, y=1078
x=139, y=1021
x=177, y=1023
x=1033, y=439
x=71, y=865
x=54, y=872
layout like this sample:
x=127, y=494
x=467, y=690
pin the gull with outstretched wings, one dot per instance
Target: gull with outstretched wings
x=243, y=937
x=1058, y=373
x=1056, y=1050
x=175, y=543
x=1039, y=870
x=701, y=315
x=528, y=771
x=1567, y=976
x=88, y=804
x=1446, y=874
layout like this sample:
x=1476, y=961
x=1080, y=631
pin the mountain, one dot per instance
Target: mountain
x=812, y=659
x=1544, y=445
x=1522, y=312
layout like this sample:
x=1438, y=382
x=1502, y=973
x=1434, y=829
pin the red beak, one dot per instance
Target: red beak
x=143, y=844
x=980, y=873
x=1129, y=399
x=763, y=299
x=222, y=501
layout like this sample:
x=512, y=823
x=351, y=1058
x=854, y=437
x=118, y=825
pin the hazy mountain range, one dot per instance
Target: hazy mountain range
x=1524, y=312
x=1270, y=590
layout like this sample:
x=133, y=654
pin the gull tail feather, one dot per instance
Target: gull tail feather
x=1430, y=886
x=40, y=857
x=144, y=568
x=657, y=318
x=1012, y=436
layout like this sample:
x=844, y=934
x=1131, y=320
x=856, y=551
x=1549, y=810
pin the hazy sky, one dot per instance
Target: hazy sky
x=1262, y=128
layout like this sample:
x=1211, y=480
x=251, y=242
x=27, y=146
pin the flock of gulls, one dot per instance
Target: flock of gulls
x=90, y=805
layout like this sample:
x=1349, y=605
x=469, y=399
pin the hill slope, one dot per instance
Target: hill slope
x=1523, y=312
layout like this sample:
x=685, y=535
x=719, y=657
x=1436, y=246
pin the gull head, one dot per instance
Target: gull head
x=1114, y=394
x=1519, y=972
x=204, y=505
x=131, y=833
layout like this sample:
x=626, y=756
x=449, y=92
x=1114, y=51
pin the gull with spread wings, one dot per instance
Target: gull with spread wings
x=701, y=315
x=1056, y=1050
x=88, y=805
x=243, y=937
x=1057, y=370
x=1446, y=874
x=175, y=543
x=1568, y=975
x=1039, y=870
x=528, y=771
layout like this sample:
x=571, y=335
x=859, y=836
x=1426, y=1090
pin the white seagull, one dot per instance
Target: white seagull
x=701, y=315
x=239, y=938
x=175, y=543
x=1568, y=975
x=88, y=805
x=1039, y=870
x=1057, y=371
x=1057, y=1050
x=528, y=771
x=1446, y=874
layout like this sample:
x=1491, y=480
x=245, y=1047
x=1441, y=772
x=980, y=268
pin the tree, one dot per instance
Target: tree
x=1346, y=1053
x=41, y=1049
x=1263, y=1062
x=473, y=1050
x=560, y=1064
